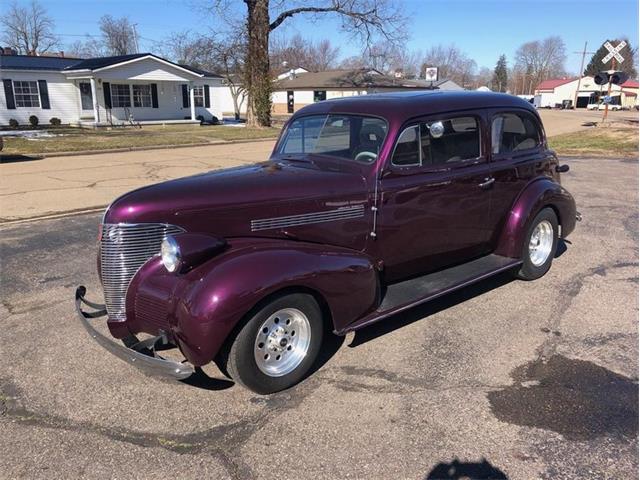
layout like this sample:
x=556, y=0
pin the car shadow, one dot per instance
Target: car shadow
x=19, y=158
x=429, y=308
x=456, y=469
x=199, y=379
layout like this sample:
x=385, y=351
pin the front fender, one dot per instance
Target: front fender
x=537, y=195
x=214, y=297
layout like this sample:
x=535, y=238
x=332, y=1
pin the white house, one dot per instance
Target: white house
x=296, y=88
x=106, y=91
x=550, y=93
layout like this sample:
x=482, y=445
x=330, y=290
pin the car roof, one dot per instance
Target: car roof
x=403, y=105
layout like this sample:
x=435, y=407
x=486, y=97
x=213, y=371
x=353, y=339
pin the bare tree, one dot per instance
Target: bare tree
x=452, y=63
x=229, y=54
x=543, y=59
x=119, y=35
x=363, y=19
x=29, y=30
x=298, y=51
x=88, y=48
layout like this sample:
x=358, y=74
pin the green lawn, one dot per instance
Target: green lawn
x=605, y=141
x=76, y=139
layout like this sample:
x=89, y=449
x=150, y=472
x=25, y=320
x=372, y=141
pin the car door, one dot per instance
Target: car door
x=435, y=196
x=518, y=155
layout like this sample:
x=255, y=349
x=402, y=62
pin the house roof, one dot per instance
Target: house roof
x=28, y=62
x=101, y=62
x=204, y=73
x=104, y=62
x=630, y=84
x=358, y=78
x=553, y=83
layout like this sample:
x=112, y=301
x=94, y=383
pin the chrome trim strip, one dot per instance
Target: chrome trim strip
x=342, y=213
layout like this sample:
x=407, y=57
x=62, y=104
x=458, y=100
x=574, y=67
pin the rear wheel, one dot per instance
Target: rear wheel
x=277, y=346
x=540, y=245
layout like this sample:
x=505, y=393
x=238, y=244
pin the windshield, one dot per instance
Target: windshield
x=345, y=136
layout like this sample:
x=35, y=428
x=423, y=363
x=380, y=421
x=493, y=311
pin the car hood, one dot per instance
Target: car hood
x=226, y=202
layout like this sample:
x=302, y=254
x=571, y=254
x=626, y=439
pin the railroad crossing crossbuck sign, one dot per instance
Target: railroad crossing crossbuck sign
x=614, y=52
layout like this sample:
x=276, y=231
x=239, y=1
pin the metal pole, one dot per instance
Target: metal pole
x=135, y=37
x=575, y=99
x=606, y=105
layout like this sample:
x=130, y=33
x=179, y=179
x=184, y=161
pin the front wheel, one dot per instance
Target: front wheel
x=277, y=346
x=540, y=245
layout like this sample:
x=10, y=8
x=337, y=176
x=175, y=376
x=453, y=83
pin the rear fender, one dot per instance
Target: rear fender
x=537, y=195
x=217, y=295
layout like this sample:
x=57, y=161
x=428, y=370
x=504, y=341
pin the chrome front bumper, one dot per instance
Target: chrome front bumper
x=141, y=354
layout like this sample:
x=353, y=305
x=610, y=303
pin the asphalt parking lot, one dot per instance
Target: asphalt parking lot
x=505, y=379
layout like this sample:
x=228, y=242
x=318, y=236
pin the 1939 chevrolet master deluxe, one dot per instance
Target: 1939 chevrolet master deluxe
x=368, y=206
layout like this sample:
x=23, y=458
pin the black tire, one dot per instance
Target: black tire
x=237, y=359
x=529, y=270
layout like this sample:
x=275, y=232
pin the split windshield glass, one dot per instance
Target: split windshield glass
x=350, y=137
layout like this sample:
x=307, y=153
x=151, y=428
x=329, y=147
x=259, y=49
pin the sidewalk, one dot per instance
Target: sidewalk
x=36, y=188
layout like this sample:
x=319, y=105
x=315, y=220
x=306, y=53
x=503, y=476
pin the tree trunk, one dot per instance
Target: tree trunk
x=257, y=78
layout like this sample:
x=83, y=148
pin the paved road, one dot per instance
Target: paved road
x=40, y=187
x=525, y=380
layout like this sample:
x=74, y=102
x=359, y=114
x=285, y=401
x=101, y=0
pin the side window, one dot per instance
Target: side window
x=307, y=128
x=407, y=151
x=449, y=141
x=512, y=132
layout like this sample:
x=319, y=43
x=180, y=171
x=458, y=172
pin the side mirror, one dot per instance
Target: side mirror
x=562, y=168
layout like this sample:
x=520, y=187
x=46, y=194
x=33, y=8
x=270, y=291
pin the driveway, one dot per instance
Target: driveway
x=503, y=379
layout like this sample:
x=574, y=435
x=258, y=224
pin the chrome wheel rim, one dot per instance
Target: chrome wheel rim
x=282, y=342
x=541, y=243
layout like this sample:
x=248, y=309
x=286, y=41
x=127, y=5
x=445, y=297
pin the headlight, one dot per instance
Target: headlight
x=170, y=252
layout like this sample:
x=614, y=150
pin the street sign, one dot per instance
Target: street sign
x=431, y=74
x=614, y=52
x=607, y=99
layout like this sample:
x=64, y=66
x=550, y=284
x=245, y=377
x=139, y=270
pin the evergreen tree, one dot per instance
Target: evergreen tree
x=596, y=65
x=499, y=83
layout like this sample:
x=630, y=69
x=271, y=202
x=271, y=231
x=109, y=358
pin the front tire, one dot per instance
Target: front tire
x=277, y=346
x=540, y=245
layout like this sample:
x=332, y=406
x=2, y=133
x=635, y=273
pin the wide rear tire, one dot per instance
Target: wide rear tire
x=275, y=348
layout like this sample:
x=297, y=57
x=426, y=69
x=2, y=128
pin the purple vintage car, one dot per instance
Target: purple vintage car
x=367, y=207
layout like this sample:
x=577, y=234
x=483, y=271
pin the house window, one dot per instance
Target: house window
x=26, y=94
x=198, y=96
x=120, y=95
x=141, y=95
x=319, y=95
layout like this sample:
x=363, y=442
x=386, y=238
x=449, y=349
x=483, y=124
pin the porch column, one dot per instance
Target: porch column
x=94, y=96
x=192, y=102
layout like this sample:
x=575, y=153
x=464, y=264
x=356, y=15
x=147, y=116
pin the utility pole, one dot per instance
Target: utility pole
x=135, y=37
x=583, y=53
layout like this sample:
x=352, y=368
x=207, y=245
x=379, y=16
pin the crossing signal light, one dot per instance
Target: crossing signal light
x=617, y=78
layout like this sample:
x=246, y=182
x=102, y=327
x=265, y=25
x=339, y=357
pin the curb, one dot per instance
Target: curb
x=53, y=216
x=76, y=153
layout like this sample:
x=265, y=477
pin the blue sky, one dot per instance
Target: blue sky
x=482, y=29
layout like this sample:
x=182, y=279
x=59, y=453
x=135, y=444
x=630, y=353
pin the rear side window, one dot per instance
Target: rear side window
x=438, y=143
x=513, y=132
x=407, y=151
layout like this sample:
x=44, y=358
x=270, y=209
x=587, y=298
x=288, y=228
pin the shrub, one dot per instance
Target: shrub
x=13, y=123
x=33, y=120
x=55, y=121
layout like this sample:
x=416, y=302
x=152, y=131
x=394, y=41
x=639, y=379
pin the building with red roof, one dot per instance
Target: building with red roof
x=554, y=92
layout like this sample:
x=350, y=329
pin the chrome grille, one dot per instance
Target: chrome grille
x=124, y=248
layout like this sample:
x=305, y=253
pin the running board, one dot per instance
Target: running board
x=409, y=293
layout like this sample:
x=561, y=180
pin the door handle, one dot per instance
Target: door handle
x=487, y=182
